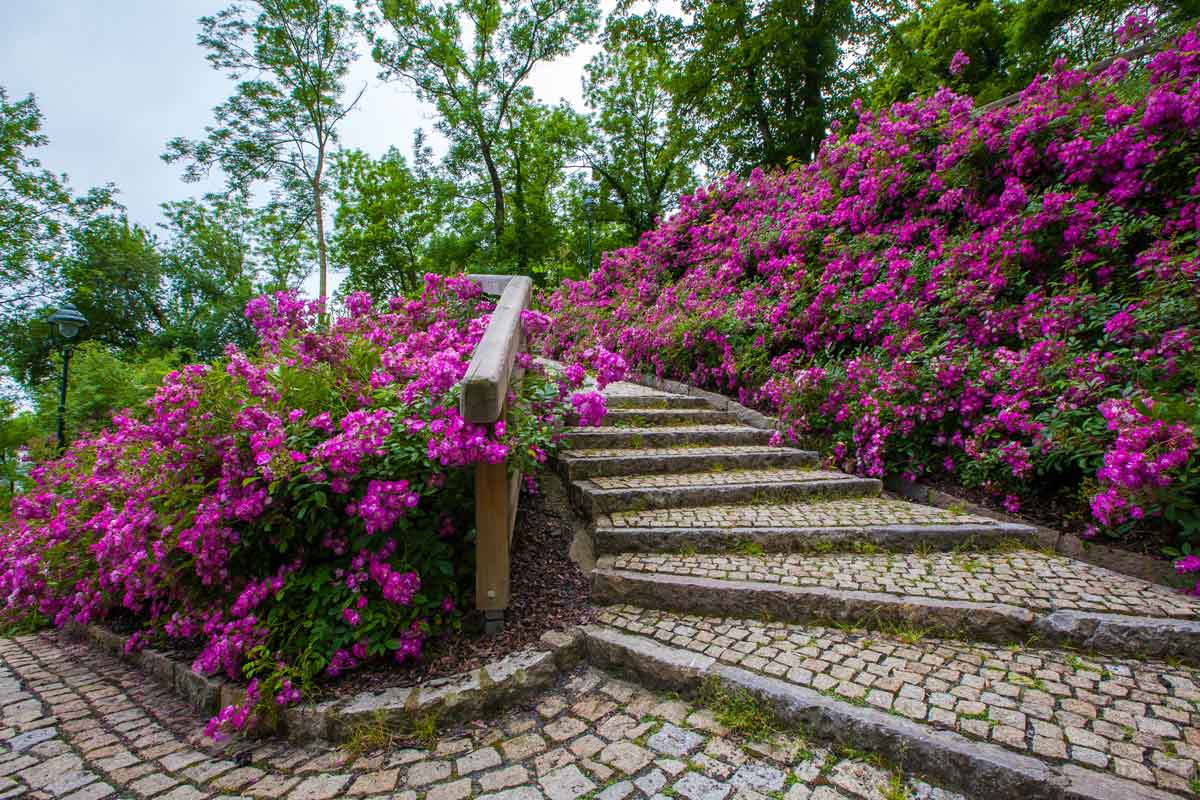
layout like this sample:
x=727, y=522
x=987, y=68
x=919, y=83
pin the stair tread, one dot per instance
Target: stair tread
x=1122, y=717
x=839, y=513
x=628, y=389
x=1027, y=579
x=714, y=428
x=728, y=477
x=665, y=452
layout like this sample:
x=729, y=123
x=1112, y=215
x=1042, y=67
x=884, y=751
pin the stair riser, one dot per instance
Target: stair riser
x=603, y=501
x=980, y=769
x=1138, y=637
x=651, y=401
x=634, y=418
x=892, y=538
x=574, y=469
x=666, y=437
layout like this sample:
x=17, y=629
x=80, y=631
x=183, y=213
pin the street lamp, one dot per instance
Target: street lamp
x=69, y=322
x=589, y=208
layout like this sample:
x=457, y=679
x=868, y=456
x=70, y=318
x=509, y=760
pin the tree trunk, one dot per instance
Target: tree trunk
x=318, y=208
x=497, y=191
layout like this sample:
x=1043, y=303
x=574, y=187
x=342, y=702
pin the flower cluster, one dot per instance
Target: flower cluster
x=1005, y=299
x=300, y=509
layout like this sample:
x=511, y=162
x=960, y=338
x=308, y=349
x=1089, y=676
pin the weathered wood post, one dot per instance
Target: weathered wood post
x=484, y=401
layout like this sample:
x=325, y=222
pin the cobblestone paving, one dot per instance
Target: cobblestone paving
x=852, y=513
x=1140, y=721
x=626, y=389
x=80, y=725
x=1024, y=578
x=673, y=429
x=728, y=477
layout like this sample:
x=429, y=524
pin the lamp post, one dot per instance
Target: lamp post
x=589, y=208
x=69, y=322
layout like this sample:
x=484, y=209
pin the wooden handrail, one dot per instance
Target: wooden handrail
x=484, y=401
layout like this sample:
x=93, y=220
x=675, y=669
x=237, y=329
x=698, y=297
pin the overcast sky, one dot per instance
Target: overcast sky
x=115, y=79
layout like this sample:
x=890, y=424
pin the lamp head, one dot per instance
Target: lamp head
x=69, y=321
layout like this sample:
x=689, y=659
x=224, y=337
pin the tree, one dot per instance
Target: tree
x=476, y=85
x=280, y=123
x=386, y=218
x=537, y=144
x=37, y=210
x=1006, y=42
x=647, y=142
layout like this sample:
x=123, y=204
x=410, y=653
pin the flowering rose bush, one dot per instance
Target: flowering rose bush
x=1006, y=298
x=295, y=511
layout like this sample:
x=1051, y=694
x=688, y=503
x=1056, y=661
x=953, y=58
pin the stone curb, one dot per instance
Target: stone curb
x=625, y=438
x=980, y=769
x=578, y=467
x=1134, y=564
x=898, y=538
x=998, y=623
x=457, y=698
x=596, y=500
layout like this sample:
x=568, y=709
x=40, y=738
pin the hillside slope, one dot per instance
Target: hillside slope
x=1008, y=299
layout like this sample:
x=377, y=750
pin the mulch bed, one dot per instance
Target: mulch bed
x=1064, y=514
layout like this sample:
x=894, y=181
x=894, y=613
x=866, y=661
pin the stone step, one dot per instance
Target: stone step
x=866, y=524
x=661, y=400
x=578, y=464
x=659, y=417
x=1005, y=597
x=673, y=436
x=993, y=722
x=600, y=495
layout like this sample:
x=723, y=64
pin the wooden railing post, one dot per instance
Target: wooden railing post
x=484, y=401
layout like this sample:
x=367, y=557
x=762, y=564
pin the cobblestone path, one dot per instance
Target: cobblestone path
x=82, y=725
x=713, y=554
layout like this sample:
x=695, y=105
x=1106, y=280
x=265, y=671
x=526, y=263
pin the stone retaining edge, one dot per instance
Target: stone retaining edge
x=980, y=769
x=1139, y=566
x=999, y=623
x=900, y=538
x=457, y=698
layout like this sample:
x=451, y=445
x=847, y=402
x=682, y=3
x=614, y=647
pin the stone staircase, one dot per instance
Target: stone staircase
x=946, y=642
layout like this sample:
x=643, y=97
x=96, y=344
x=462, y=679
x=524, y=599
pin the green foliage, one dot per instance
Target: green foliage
x=386, y=220
x=647, y=141
x=100, y=383
x=472, y=60
x=281, y=121
x=37, y=209
x=1008, y=42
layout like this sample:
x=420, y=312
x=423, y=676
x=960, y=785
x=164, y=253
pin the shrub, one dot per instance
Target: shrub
x=1007, y=298
x=294, y=511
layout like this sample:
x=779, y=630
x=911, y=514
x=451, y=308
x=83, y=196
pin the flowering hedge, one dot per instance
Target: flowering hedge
x=294, y=511
x=1006, y=298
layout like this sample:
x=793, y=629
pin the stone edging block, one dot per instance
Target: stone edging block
x=999, y=623
x=982, y=769
x=456, y=698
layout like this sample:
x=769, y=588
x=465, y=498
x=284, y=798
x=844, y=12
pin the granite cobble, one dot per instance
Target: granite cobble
x=1023, y=578
x=1137, y=720
x=729, y=477
x=76, y=723
x=855, y=513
